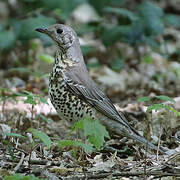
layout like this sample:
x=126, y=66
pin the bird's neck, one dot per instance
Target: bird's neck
x=69, y=57
x=63, y=60
x=60, y=59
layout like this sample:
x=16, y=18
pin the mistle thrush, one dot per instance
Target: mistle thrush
x=74, y=94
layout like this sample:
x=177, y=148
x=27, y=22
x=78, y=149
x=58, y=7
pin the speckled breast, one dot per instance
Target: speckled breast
x=67, y=105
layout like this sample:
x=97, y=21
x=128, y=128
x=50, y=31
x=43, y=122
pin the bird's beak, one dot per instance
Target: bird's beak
x=42, y=30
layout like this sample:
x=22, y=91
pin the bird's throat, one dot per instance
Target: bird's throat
x=61, y=64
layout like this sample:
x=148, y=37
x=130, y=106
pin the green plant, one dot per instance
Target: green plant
x=32, y=99
x=18, y=176
x=76, y=144
x=46, y=58
x=37, y=134
x=141, y=26
x=5, y=94
x=45, y=119
x=93, y=131
x=9, y=146
x=28, y=71
x=160, y=106
x=42, y=136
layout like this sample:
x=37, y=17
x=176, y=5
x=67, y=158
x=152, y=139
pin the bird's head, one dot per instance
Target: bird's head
x=64, y=36
x=66, y=41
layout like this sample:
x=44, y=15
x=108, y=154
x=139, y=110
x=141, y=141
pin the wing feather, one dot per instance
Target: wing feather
x=96, y=98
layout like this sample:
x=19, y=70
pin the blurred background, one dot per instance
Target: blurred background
x=131, y=48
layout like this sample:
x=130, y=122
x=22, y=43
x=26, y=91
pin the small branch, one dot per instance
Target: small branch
x=159, y=174
x=20, y=162
x=159, y=142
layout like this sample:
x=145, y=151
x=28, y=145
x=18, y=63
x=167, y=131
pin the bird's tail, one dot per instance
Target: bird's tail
x=133, y=134
x=147, y=143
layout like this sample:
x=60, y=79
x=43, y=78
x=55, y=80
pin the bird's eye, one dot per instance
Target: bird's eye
x=59, y=31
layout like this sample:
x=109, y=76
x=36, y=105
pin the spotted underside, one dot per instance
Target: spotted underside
x=67, y=105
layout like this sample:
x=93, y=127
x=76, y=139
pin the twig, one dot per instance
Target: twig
x=21, y=150
x=145, y=167
x=159, y=142
x=159, y=174
x=20, y=162
x=103, y=175
x=39, y=162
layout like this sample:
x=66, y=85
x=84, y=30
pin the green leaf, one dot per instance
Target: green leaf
x=21, y=69
x=42, y=136
x=132, y=34
x=5, y=89
x=30, y=100
x=44, y=118
x=30, y=24
x=165, y=98
x=77, y=125
x=177, y=71
x=151, y=18
x=47, y=58
x=95, y=131
x=29, y=93
x=144, y=99
x=87, y=147
x=85, y=28
x=155, y=107
x=26, y=70
x=7, y=40
x=87, y=49
x=65, y=143
x=112, y=35
x=34, y=45
x=15, y=135
x=117, y=64
x=26, y=94
x=172, y=20
x=43, y=100
x=154, y=26
x=100, y=4
x=148, y=9
x=93, y=65
x=64, y=9
x=121, y=11
x=147, y=59
x=172, y=109
x=30, y=1
x=14, y=177
x=9, y=149
x=19, y=176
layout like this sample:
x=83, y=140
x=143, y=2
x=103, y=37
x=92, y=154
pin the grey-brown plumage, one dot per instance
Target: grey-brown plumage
x=72, y=91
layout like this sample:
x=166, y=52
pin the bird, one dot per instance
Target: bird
x=75, y=95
